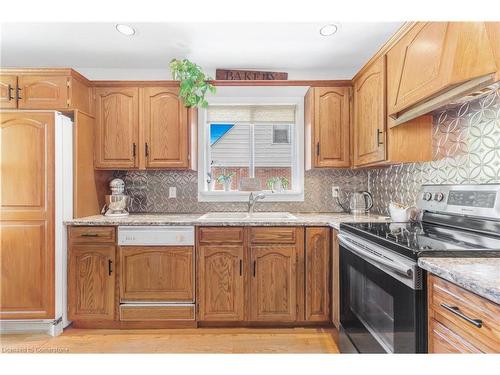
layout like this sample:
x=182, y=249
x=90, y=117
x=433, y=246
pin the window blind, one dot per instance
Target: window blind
x=251, y=113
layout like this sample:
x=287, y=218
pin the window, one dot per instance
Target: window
x=281, y=133
x=250, y=143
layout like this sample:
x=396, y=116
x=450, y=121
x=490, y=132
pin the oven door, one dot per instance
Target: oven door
x=382, y=309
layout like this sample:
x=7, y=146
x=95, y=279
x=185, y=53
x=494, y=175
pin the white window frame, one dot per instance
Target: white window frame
x=294, y=195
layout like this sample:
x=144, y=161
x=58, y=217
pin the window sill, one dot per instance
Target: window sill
x=242, y=196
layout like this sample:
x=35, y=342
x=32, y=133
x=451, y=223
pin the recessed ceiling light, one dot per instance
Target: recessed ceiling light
x=329, y=29
x=125, y=29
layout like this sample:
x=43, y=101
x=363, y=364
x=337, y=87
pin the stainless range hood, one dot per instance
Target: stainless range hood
x=457, y=94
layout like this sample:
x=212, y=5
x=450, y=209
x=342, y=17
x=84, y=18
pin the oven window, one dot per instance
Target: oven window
x=373, y=306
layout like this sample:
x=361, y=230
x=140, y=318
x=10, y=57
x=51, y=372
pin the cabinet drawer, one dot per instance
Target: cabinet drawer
x=461, y=311
x=273, y=235
x=156, y=313
x=444, y=340
x=92, y=234
x=219, y=234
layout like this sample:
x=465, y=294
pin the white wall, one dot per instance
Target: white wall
x=164, y=74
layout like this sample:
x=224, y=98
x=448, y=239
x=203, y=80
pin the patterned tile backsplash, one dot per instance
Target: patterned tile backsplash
x=149, y=192
x=466, y=143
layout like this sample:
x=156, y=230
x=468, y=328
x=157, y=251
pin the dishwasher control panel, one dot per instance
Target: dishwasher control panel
x=156, y=235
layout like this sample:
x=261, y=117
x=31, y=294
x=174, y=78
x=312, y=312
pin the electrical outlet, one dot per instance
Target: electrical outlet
x=335, y=191
x=172, y=192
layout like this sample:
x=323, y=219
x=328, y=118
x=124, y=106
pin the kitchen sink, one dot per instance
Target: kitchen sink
x=235, y=216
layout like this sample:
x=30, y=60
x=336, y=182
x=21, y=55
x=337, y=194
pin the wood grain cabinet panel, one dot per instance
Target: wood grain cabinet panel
x=157, y=273
x=221, y=285
x=222, y=235
x=317, y=274
x=327, y=117
x=8, y=96
x=43, y=92
x=273, y=284
x=335, y=279
x=92, y=234
x=461, y=321
x=434, y=56
x=27, y=216
x=91, y=282
x=117, y=127
x=369, y=129
x=166, y=130
x=278, y=235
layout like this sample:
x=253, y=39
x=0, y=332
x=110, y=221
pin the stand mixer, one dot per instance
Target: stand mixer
x=117, y=202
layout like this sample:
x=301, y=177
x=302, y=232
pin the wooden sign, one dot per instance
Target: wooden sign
x=248, y=75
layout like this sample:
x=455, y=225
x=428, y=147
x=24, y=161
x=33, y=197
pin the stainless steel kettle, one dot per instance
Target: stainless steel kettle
x=360, y=202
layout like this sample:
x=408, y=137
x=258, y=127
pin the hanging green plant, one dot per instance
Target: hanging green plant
x=194, y=84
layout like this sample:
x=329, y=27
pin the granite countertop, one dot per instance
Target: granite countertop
x=307, y=219
x=478, y=275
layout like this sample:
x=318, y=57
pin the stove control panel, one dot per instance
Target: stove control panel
x=467, y=200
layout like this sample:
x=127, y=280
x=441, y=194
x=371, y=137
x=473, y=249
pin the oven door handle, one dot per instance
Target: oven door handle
x=397, y=267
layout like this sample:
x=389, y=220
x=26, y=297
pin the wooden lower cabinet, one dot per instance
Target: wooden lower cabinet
x=460, y=321
x=317, y=264
x=335, y=298
x=91, y=282
x=221, y=286
x=157, y=273
x=273, y=287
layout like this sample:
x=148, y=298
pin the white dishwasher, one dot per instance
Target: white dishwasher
x=156, y=273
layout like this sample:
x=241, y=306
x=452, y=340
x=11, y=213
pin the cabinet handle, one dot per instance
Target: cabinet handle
x=241, y=267
x=10, y=93
x=18, y=92
x=317, y=148
x=379, y=132
x=134, y=149
x=146, y=149
x=110, y=267
x=455, y=310
x=254, y=267
x=90, y=235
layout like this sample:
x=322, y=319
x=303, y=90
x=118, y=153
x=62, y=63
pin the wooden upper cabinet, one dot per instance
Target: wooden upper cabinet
x=327, y=120
x=157, y=273
x=8, y=86
x=317, y=274
x=27, y=216
x=221, y=285
x=117, y=127
x=369, y=129
x=166, y=130
x=43, y=92
x=91, y=282
x=434, y=56
x=273, y=284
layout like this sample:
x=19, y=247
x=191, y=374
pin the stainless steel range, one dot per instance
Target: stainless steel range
x=383, y=296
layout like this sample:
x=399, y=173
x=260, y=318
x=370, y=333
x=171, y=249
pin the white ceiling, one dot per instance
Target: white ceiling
x=100, y=52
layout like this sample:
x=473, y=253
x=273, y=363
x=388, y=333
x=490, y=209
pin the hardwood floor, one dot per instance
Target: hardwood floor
x=201, y=340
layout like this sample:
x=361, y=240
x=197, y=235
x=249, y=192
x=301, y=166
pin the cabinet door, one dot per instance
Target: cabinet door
x=273, y=287
x=91, y=282
x=8, y=86
x=165, y=120
x=370, y=115
x=433, y=56
x=26, y=218
x=335, y=279
x=220, y=276
x=331, y=127
x=317, y=274
x=117, y=127
x=157, y=273
x=43, y=92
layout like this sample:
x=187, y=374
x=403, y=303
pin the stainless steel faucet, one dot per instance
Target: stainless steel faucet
x=252, y=200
